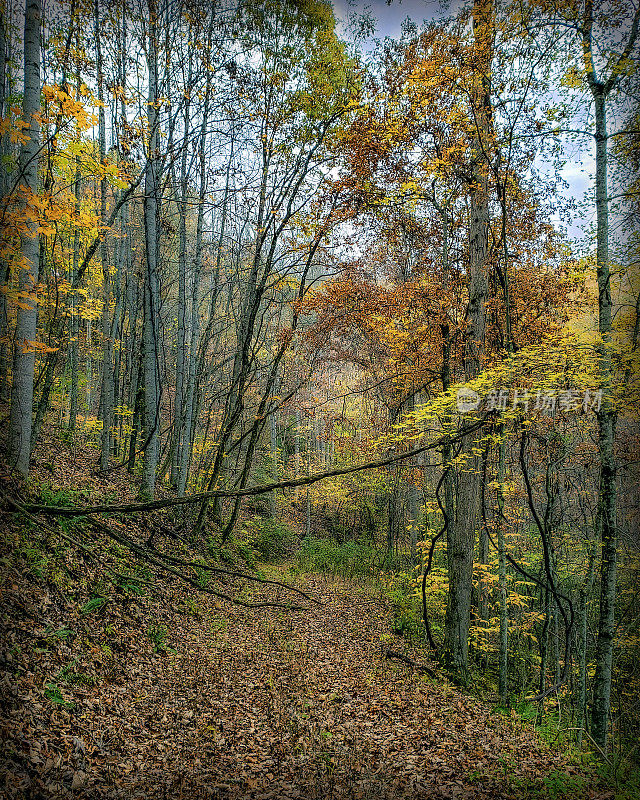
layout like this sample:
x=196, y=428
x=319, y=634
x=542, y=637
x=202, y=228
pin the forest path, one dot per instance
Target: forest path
x=241, y=704
x=273, y=704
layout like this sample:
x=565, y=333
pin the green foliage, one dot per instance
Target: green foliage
x=37, y=560
x=157, y=634
x=218, y=623
x=225, y=554
x=624, y=777
x=129, y=586
x=62, y=498
x=347, y=560
x=61, y=633
x=203, y=576
x=553, y=786
x=94, y=604
x=399, y=591
x=271, y=538
x=247, y=553
x=53, y=693
x=191, y=607
x=559, y=784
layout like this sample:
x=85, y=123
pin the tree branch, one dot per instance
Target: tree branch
x=136, y=508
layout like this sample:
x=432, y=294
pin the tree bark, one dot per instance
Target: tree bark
x=5, y=176
x=20, y=420
x=503, y=647
x=107, y=389
x=151, y=287
x=607, y=417
x=461, y=534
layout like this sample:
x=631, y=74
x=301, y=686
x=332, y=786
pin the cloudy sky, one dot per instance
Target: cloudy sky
x=388, y=17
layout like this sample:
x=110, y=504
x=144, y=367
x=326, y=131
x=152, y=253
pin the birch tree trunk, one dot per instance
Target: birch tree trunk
x=20, y=420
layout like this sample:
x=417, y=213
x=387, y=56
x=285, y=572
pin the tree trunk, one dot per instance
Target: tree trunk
x=607, y=417
x=107, y=392
x=151, y=288
x=74, y=319
x=20, y=420
x=607, y=500
x=503, y=648
x=5, y=175
x=461, y=535
x=181, y=350
x=583, y=621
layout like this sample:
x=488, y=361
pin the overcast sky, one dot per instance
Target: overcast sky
x=389, y=17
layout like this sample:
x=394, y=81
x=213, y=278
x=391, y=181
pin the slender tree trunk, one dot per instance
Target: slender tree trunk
x=138, y=410
x=89, y=366
x=181, y=351
x=273, y=449
x=583, y=620
x=42, y=406
x=151, y=287
x=186, y=446
x=503, y=647
x=544, y=646
x=6, y=157
x=74, y=318
x=296, y=452
x=412, y=513
x=20, y=420
x=607, y=417
x=107, y=390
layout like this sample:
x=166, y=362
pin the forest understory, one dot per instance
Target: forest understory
x=160, y=691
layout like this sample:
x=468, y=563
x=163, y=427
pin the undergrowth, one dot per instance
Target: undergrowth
x=347, y=560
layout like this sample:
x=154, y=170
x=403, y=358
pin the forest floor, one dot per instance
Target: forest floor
x=174, y=694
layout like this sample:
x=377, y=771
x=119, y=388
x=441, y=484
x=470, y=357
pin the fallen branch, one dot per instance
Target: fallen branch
x=410, y=662
x=146, y=555
x=158, y=560
x=235, y=574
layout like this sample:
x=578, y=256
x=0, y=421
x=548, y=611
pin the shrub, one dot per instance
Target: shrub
x=399, y=590
x=271, y=538
x=348, y=560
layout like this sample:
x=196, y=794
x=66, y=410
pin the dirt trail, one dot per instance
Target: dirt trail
x=267, y=704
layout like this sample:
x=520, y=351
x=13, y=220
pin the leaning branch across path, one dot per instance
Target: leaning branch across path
x=153, y=505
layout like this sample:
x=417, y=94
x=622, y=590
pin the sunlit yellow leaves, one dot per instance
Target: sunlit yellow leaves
x=29, y=346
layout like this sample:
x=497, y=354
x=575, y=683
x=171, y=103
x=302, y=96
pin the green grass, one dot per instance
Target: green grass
x=93, y=604
x=54, y=695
